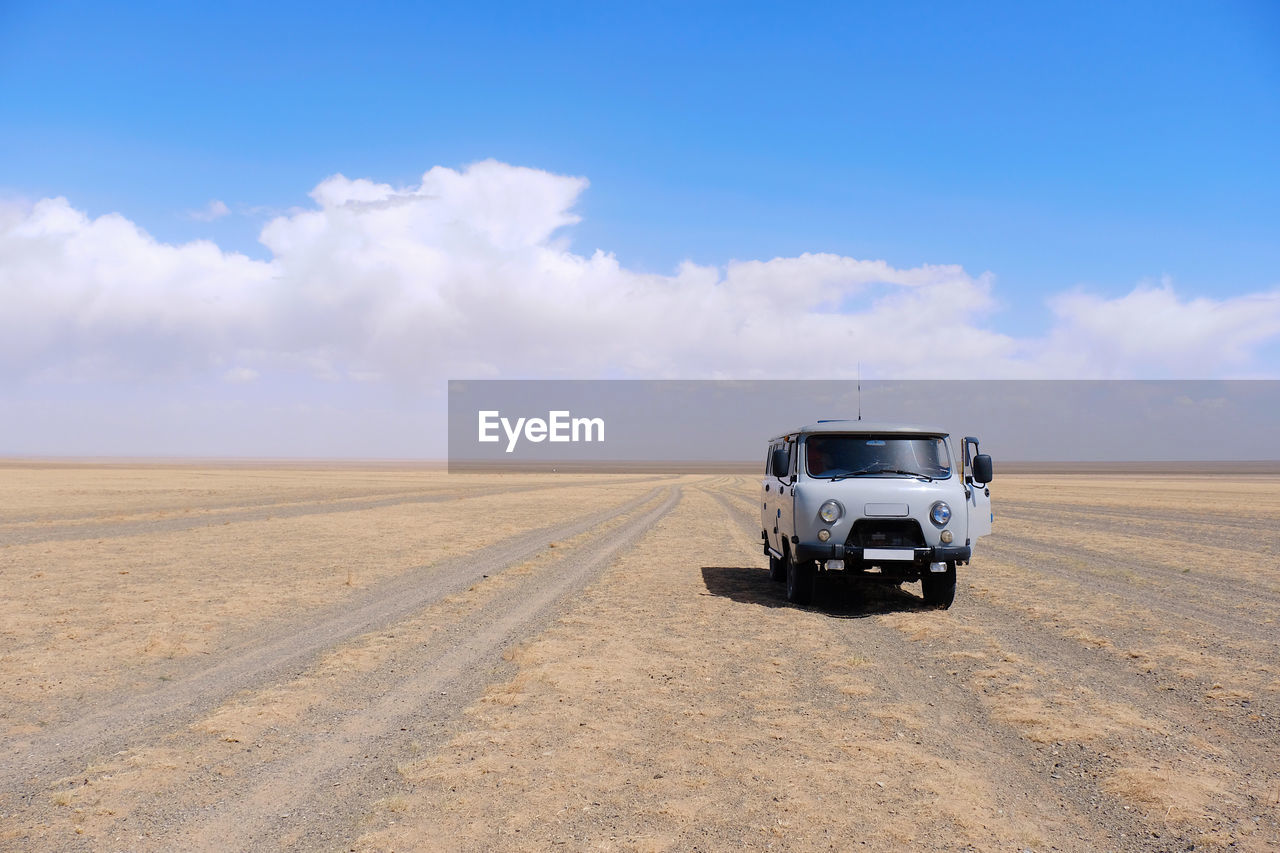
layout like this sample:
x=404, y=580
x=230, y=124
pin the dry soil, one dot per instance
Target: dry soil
x=335, y=658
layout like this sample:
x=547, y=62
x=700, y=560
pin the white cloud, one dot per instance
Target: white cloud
x=240, y=374
x=215, y=209
x=1151, y=331
x=85, y=298
x=467, y=275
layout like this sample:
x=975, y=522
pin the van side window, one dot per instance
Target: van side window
x=779, y=445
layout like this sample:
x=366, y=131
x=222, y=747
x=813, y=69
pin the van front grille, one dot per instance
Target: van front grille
x=886, y=533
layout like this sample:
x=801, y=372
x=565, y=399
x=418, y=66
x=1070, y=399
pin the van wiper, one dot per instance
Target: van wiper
x=864, y=471
x=904, y=471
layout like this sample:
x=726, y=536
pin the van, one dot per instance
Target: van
x=882, y=502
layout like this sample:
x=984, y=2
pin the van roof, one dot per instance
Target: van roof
x=850, y=425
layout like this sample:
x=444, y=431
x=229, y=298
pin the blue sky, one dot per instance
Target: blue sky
x=1059, y=147
x=1052, y=144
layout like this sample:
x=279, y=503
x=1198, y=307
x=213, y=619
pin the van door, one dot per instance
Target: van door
x=775, y=512
x=769, y=500
x=787, y=491
x=979, y=495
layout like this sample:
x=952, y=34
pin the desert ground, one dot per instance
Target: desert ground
x=365, y=657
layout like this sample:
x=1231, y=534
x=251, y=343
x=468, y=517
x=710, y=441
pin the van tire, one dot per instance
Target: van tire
x=777, y=569
x=802, y=577
x=939, y=589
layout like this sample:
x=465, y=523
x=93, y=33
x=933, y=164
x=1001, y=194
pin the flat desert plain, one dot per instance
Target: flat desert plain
x=367, y=658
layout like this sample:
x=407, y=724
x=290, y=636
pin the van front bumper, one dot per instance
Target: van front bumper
x=959, y=554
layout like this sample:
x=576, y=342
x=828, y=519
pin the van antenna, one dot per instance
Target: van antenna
x=859, y=390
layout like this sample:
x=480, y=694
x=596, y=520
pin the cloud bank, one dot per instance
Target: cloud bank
x=375, y=295
x=467, y=274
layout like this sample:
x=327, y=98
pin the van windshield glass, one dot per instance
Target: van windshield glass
x=840, y=456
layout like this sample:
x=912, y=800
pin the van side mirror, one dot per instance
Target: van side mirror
x=780, y=462
x=982, y=471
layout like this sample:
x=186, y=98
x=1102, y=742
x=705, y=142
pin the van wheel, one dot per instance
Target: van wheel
x=939, y=588
x=802, y=577
x=777, y=569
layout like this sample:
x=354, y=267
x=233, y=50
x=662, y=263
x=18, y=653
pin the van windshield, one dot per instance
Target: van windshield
x=839, y=456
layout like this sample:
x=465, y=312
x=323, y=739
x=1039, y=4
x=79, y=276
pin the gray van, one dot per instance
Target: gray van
x=884, y=502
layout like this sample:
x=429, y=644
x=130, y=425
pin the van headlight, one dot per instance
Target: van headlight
x=940, y=514
x=830, y=512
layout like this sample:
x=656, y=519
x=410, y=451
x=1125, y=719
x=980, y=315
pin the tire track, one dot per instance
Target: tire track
x=1184, y=724
x=1103, y=671
x=1015, y=628
x=1125, y=520
x=1259, y=539
x=743, y=511
x=150, y=527
x=48, y=517
x=270, y=655
x=1027, y=554
x=450, y=671
x=737, y=514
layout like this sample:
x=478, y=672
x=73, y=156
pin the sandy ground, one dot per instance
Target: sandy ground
x=381, y=659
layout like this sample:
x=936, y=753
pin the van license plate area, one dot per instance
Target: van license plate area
x=870, y=555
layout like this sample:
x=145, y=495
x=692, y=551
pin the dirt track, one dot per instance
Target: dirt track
x=404, y=660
